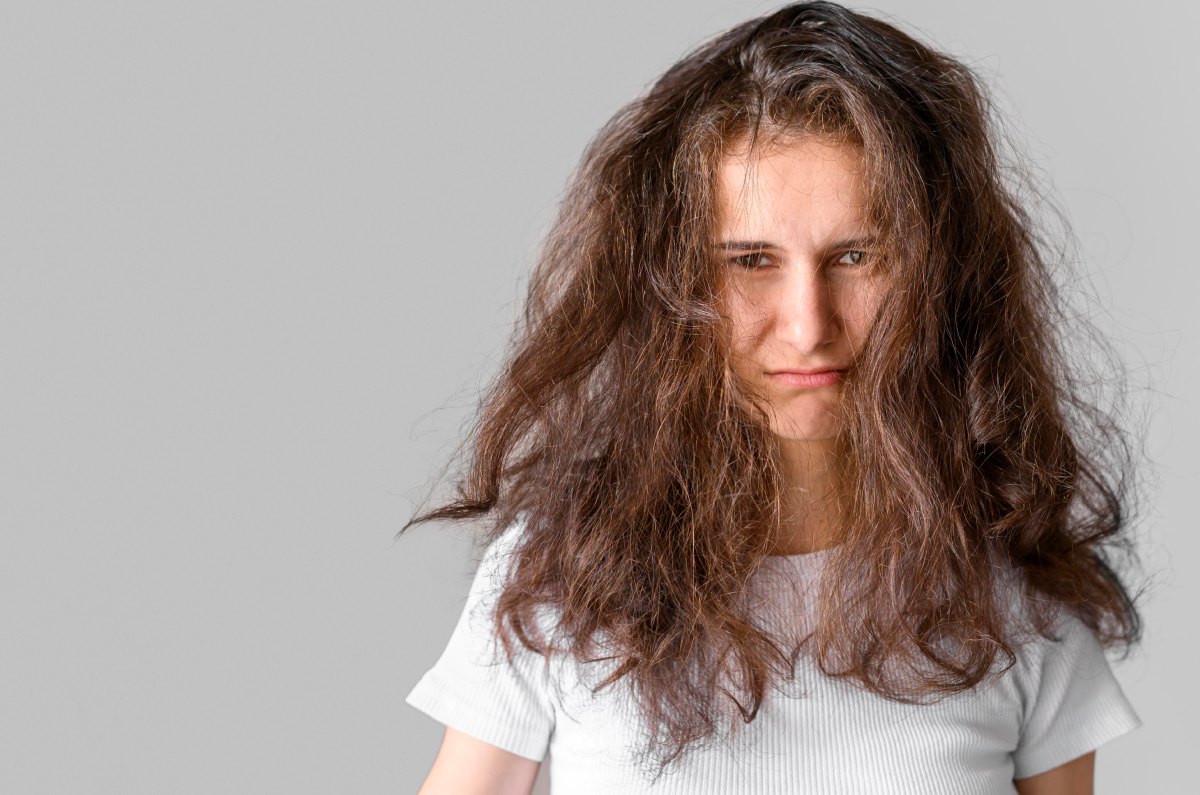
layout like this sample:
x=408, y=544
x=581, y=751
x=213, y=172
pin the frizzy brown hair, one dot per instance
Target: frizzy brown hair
x=646, y=474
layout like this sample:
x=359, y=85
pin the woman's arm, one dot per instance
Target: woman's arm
x=1073, y=778
x=467, y=766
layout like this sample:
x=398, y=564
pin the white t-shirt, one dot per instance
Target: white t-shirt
x=812, y=735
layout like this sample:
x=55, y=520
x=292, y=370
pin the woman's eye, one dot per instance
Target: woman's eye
x=854, y=257
x=759, y=260
x=749, y=261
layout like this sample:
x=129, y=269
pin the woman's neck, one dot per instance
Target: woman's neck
x=808, y=509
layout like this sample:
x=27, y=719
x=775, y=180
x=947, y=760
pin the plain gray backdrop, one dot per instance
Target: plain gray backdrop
x=259, y=258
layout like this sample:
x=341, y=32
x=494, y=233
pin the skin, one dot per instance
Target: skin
x=1076, y=777
x=798, y=300
x=467, y=766
x=800, y=296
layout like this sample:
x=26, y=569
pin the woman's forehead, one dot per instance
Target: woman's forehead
x=741, y=158
x=790, y=173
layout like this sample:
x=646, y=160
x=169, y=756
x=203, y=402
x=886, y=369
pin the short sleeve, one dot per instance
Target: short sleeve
x=474, y=688
x=1073, y=702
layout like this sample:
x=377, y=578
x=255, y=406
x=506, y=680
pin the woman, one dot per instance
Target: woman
x=788, y=485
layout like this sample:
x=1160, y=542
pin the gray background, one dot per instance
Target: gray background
x=257, y=260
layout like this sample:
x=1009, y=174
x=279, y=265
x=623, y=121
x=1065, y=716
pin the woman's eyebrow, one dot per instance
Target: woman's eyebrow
x=759, y=245
x=856, y=242
x=739, y=245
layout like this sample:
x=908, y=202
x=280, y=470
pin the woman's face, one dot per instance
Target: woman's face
x=802, y=285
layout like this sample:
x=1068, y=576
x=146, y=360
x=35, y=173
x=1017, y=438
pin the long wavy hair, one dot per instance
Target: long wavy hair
x=646, y=474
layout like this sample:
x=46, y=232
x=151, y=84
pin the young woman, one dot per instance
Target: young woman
x=788, y=483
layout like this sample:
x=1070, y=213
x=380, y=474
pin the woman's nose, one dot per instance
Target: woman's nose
x=806, y=319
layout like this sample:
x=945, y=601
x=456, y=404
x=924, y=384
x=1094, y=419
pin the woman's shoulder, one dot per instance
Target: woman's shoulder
x=1048, y=638
x=497, y=570
x=500, y=549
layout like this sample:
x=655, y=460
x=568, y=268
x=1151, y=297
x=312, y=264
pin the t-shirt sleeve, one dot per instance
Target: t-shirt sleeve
x=474, y=688
x=1073, y=703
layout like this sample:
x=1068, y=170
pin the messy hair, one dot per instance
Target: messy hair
x=647, y=477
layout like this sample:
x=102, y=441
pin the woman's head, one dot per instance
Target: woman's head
x=635, y=428
x=650, y=202
x=804, y=276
